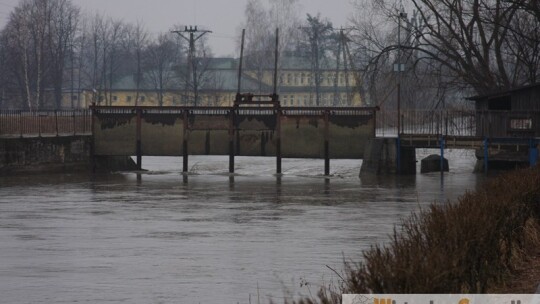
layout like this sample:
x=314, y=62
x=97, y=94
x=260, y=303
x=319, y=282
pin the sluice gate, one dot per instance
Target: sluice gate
x=235, y=131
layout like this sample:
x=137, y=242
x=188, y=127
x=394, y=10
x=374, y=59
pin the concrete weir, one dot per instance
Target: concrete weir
x=326, y=133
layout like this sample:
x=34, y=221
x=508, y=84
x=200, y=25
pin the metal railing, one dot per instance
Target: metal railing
x=455, y=122
x=19, y=123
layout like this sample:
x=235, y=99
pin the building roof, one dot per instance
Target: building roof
x=221, y=74
x=503, y=92
x=214, y=80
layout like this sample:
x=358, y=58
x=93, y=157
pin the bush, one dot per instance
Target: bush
x=463, y=247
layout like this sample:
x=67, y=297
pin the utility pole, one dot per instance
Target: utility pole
x=399, y=67
x=194, y=35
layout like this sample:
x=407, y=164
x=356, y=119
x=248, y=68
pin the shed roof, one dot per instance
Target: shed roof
x=504, y=92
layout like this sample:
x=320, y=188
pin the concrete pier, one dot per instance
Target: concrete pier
x=386, y=156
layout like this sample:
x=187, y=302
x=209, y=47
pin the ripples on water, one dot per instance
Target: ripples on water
x=159, y=238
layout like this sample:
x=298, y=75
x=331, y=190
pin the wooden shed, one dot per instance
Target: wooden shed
x=511, y=113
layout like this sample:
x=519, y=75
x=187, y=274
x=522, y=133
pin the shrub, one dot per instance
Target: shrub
x=464, y=247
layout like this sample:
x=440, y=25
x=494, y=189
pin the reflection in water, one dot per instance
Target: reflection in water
x=158, y=236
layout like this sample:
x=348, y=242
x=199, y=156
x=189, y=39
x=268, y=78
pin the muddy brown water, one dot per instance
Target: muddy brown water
x=161, y=238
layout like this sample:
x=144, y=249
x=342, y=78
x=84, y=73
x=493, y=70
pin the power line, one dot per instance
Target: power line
x=194, y=35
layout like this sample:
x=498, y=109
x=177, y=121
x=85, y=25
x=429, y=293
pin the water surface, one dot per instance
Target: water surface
x=163, y=238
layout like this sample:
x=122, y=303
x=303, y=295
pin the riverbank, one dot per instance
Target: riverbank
x=485, y=242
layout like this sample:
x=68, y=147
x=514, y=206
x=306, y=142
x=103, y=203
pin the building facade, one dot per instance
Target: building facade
x=218, y=87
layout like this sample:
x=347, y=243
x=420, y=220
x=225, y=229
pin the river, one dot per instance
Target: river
x=160, y=237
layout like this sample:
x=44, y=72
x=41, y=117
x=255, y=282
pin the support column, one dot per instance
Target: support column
x=398, y=154
x=486, y=155
x=231, y=140
x=442, y=144
x=326, y=144
x=93, y=141
x=278, y=141
x=185, y=168
x=138, y=136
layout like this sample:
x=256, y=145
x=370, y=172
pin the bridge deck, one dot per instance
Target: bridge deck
x=434, y=141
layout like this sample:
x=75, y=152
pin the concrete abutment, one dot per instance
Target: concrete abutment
x=385, y=156
x=56, y=154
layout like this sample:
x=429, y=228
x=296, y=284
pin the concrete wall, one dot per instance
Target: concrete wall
x=44, y=154
x=56, y=154
x=302, y=135
x=381, y=158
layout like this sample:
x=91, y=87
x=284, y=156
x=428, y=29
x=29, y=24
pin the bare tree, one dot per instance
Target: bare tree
x=261, y=22
x=473, y=41
x=39, y=37
x=161, y=59
x=258, y=40
x=112, y=55
x=317, y=44
x=107, y=59
x=63, y=28
x=26, y=38
x=284, y=16
x=136, y=41
x=451, y=49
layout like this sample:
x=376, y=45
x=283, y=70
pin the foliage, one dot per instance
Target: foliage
x=449, y=47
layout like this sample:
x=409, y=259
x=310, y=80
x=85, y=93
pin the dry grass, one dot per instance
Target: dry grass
x=475, y=245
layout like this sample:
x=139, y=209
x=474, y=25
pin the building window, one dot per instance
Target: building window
x=296, y=79
x=503, y=103
x=115, y=98
x=521, y=124
x=303, y=79
x=142, y=98
x=289, y=79
x=128, y=99
x=74, y=97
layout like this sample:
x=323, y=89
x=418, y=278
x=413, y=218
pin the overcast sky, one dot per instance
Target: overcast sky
x=223, y=17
